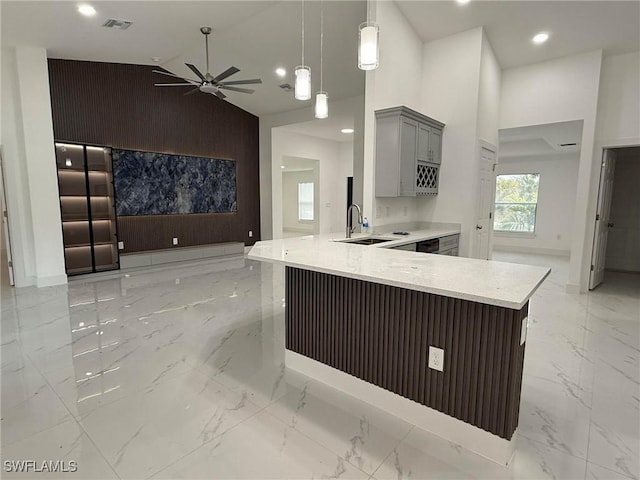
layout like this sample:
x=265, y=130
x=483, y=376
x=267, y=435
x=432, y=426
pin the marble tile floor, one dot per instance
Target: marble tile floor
x=178, y=373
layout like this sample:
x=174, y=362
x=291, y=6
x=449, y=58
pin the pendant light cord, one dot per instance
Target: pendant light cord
x=321, y=39
x=302, y=32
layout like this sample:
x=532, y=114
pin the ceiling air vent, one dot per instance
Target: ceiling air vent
x=567, y=144
x=286, y=87
x=117, y=24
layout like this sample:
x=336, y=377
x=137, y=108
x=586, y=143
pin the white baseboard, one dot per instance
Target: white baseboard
x=461, y=433
x=572, y=289
x=535, y=250
x=51, y=281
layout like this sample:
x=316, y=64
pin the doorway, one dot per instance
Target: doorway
x=616, y=243
x=536, y=190
x=300, y=196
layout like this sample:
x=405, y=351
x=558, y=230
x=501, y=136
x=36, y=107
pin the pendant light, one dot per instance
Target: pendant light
x=368, y=43
x=322, y=106
x=303, y=73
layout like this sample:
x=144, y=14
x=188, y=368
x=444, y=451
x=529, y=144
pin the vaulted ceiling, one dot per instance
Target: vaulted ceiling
x=259, y=36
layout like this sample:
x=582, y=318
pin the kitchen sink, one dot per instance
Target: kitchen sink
x=367, y=241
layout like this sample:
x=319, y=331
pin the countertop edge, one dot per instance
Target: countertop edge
x=418, y=288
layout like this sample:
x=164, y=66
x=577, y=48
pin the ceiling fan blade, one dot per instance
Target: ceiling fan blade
x=197, y=89
x=227, y=73
x=243, y=82
x=220, y=95
x=236, y=89
x=173, y=84
x=174, y=75
x=195, y=70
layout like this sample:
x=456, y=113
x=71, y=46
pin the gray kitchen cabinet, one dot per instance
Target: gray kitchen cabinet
x=408, y=153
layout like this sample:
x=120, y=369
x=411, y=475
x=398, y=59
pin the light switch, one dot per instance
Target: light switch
x=120, y=245
x=175, y=240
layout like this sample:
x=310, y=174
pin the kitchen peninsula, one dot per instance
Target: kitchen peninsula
x=437, y=340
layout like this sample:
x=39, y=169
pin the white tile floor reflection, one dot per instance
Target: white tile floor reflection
x=179, y=374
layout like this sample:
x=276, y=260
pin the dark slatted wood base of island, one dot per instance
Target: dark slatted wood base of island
x=381, y=334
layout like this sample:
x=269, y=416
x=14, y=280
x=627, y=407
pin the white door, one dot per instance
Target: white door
x=602, y=218
x=486, y=194
x=6, y=241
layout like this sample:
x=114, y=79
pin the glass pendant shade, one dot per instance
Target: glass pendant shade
x=322, y=106
x=368, y=46
x=303, y=83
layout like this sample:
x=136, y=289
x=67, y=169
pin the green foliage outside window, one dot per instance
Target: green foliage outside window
x=516, y=203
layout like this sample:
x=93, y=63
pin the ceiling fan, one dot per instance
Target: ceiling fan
x=208, y=83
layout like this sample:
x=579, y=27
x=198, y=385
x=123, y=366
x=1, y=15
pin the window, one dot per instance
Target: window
x=516, y=203
x=305, y=202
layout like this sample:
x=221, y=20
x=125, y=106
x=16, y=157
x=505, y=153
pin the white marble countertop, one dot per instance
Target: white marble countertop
x=496, y=283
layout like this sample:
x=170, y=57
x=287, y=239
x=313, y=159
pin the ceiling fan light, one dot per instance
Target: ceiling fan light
x=303, y=83
x=322, y=105
x=368, y=46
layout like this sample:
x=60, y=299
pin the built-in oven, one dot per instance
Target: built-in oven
x=428, y=246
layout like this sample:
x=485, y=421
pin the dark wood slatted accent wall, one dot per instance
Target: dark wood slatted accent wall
x=117, y=105
x=381, y=334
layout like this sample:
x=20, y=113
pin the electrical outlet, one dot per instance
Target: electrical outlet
x=175, y=240
x=120, y=245
x=436, y=358
x=250, y=233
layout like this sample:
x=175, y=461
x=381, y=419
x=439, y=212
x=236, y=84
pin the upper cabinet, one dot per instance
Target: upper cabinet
x=408, y=153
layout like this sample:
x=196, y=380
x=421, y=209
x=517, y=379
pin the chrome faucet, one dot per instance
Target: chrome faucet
x=350, y=228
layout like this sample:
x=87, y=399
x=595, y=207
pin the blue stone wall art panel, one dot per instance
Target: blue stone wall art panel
x=149, y=183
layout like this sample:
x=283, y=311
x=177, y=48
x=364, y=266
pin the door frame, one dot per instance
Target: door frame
x=6, y=232
x=582, y=264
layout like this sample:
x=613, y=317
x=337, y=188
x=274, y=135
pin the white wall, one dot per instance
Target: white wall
x=556, y=203
x=334, y=169
x=623, y=244
x=397, y=81
x=450, y=93
x=15, y=171
x=30, y=168
x=354, y=106
x=560, y=90
x=290, y=181
x=619, y=98
x=489, y=94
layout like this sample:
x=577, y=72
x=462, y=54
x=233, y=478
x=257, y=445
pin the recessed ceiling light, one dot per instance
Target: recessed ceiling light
x=281, y=72
x=540, y=38
x=156, y=59
x=347, y=130
x=463, y=2
x=87, y=10
x=281, y=166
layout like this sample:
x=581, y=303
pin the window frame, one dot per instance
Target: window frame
x=312, y=202
x=516, y=233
